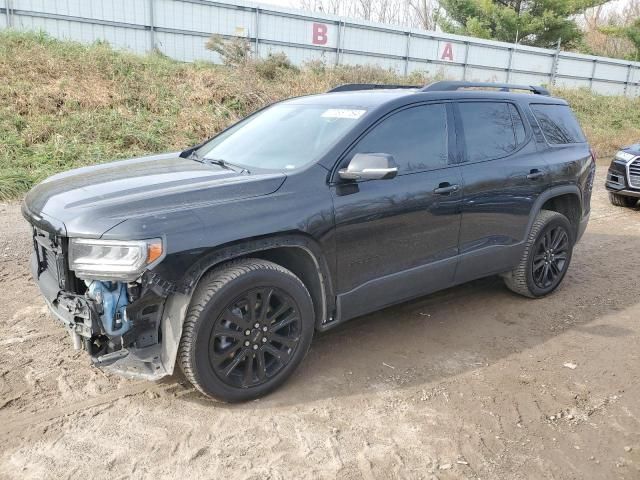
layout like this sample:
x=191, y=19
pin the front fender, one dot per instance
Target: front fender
x=178, y=302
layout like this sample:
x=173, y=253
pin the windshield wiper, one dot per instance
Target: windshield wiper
x=217, y=161
x=225, y=164
x=194, y=156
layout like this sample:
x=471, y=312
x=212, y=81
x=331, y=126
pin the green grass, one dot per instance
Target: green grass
x=63, y=104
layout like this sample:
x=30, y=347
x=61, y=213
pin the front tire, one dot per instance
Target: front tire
x=249, y=326
x=622, y=200
x=546, y=256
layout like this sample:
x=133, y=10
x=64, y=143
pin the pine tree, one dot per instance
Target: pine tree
x=531, y=22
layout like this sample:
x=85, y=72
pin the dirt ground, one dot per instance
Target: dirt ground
x=468, y=383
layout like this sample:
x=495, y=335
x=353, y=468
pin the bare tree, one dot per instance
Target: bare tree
x=421, y=14
x=425, y=14
x=598, y=24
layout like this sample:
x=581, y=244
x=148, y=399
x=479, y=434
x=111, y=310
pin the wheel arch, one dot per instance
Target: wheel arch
x=565, y=199
x=298, y=253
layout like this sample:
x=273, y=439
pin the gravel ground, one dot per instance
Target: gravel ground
x=473, y=382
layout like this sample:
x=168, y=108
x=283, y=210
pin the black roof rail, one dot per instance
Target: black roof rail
x=351, y=87
x=505, y=87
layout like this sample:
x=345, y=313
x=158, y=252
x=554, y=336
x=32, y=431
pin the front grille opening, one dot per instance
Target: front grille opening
x=73, y=283
x=52, y=255
x=76, y=285
x=634, y=173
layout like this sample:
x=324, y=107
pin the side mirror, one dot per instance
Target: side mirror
x=370, y=166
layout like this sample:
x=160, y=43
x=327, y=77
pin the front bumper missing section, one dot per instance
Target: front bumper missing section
x=141, y=363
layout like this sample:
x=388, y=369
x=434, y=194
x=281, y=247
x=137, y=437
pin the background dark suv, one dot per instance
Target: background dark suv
x=623, y=177
x=225, y=258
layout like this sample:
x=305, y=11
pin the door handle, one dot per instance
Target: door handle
x=534, y=174
x=446, y=188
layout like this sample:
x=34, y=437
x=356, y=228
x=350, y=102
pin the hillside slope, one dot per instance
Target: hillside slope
x=64, y=105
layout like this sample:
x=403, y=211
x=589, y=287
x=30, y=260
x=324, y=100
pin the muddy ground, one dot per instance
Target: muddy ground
x=467, y=383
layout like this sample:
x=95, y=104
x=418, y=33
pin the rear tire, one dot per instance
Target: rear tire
x=622, y=200
x=546, y=256
x=249, y=326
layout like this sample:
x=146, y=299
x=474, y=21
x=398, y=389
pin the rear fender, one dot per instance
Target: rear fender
x=548, y=195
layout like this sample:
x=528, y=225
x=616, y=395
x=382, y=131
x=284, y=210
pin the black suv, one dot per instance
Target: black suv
x=623, y=178
x=226, y=257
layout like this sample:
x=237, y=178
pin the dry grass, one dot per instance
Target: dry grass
x=609, y=122
x=64, y=105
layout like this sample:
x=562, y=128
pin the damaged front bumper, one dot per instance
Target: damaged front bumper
x=120, y=335
x=132, y=362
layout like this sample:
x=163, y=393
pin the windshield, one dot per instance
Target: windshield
x=282, y=137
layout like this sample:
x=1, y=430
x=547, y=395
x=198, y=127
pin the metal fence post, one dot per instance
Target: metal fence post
x=9, y=15
x=626, y=83
x=406, y=54
x=509, y=64
x=339, y=43
x=556, y=61
x=152, y=23
x=466, y=61
x=257, y=32
x=593, y=74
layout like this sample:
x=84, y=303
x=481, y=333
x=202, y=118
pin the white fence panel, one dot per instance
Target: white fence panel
x=484, y=75
x=371, y=41
x=3, y=14
x=125, y=11
x=359, y=59
x=607, y=88
x=194, y=17
x=573, y=67
x=180, y=29
x=609, y=71
x=482, y=55
x=297, y=31
x=120, y=37
x=424, y=48
x=535, y=63
x=521, y=78
x=188, y=47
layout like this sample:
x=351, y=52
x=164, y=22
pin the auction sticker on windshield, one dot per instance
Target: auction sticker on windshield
x=343, y=113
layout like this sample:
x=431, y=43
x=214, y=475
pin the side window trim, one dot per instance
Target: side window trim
x=451, y=138
x=463, y=158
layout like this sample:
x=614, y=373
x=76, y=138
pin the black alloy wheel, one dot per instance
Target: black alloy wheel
x=550, y=259
x=546, y=256
x=249, y=326
x=255, y=337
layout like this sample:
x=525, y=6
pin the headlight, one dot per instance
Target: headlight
x=112, y=259
x=624, y=156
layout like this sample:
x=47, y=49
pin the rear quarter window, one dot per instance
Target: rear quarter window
x=558, y=124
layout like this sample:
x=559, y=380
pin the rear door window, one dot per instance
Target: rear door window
x=558, y=124
x=491, y=129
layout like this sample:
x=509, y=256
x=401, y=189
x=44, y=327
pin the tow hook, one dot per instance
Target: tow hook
x=113, y=299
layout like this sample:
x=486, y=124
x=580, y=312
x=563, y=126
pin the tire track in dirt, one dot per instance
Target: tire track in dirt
x=10, y=427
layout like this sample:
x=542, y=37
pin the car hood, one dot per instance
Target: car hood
x=632, y=149
x=90, y=201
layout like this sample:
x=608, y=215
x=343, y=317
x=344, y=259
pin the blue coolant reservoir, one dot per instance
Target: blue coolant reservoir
x=114, y=300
